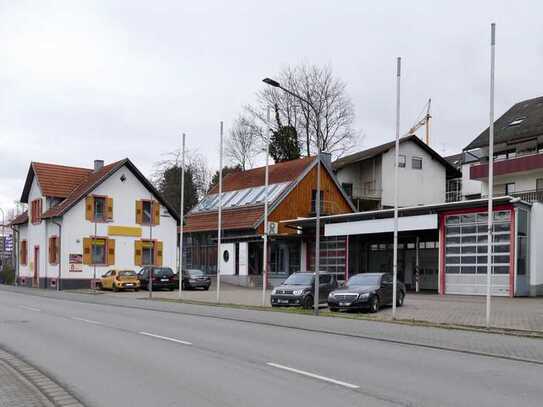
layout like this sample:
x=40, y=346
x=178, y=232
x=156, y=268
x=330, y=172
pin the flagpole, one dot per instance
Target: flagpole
x=396, y=159
x=220, y=219
x=181, y=214
x=490, y=173
x=265, y=260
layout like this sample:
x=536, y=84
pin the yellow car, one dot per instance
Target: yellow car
x=120, y=280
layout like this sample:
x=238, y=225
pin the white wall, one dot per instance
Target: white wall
x=125, y=194
x=416, y=187
x=524, y=181
x=469, y=186
x=35, y=236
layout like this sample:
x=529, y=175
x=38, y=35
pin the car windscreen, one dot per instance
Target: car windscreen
x=162, y=272
x=299, y=279
x=127, y=273
x=364, y=279
x=196, y=273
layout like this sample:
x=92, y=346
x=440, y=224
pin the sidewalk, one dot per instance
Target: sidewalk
x=23, y=385
x=525, y=314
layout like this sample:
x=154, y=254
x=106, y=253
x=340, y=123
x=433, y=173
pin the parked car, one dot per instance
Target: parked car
x=299, y=290
x=163, y=278
x=120, y=280
x=366, y=291
x=194, y=278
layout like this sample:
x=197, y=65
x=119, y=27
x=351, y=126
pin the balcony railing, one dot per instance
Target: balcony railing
x=529, y=196
x=520, y=163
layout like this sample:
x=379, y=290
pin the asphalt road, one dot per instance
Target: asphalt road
x=117, y=356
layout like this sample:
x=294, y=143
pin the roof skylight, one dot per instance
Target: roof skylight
x=516, y=122
x=242, y=197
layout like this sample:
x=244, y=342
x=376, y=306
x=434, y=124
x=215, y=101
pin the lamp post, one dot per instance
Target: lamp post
x=276, y=84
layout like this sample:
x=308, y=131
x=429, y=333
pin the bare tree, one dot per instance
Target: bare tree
x=243, y=144
x=331, y=110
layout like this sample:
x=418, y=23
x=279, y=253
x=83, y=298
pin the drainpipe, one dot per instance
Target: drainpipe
x=13, y=256
x=59, y=253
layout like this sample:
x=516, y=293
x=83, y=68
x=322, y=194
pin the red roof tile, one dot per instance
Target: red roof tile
x=20, y=219
x=232, y=219
x=87, y=185
x=59, y=180
x=281, y=172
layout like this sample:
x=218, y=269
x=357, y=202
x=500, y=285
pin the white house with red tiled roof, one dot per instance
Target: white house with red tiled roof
x=83, y=222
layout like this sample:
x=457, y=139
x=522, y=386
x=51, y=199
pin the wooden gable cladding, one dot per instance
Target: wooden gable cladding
x=298, y=202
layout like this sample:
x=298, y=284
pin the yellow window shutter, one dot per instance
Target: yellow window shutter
x=109, y=208
x=110, y=252
x=89, y=208
x=139, y=212
x=156, y=213
x=87, y=243
x=138, y=251
x=158, y=253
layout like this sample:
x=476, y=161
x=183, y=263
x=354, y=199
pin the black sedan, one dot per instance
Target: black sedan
x=163, y=278
x=193, y=278
x=366, y=291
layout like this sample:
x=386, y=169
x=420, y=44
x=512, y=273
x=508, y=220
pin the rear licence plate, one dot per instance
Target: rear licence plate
x=129, y=285
x=164, y=280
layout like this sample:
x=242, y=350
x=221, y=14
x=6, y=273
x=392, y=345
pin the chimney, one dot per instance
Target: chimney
x=326, y=158
x=98, y=164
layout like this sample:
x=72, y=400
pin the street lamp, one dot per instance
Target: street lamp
x=276, y=84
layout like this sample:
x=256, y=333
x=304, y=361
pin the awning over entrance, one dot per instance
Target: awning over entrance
x=364, y=227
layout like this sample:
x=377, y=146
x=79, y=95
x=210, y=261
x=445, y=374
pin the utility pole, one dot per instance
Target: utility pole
x=181, y=214
x=266, y=182
x=396, y=160
x=490, y=173
x=219, y=225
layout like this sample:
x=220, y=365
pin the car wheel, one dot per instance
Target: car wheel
x=185, y=286
x=136, y=289
x=374, y=304
x=308, y=302
x=114, y=288
x=334, y=309
x=400, y=299
x=206, y=288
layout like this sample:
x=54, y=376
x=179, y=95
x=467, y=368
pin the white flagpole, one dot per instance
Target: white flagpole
x=219, y=226
x=181, y=215
x=490, y=172
x=396, y=159
x=265, y=254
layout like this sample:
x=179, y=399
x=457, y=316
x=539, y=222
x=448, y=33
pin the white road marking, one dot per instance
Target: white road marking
x=165, y=338
x=313, y=375
x=30, y=308
x=89, y=321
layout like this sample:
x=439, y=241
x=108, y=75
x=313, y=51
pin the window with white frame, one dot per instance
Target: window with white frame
x=416, y=163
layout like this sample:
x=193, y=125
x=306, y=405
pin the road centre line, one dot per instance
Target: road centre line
x=165, y=338
x=313, y=375
x=90, y=321
x=30, y=308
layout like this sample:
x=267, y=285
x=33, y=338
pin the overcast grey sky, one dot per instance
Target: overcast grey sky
x=109, y=79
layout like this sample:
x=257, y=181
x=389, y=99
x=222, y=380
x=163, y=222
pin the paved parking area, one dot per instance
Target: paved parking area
x=507, y=313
